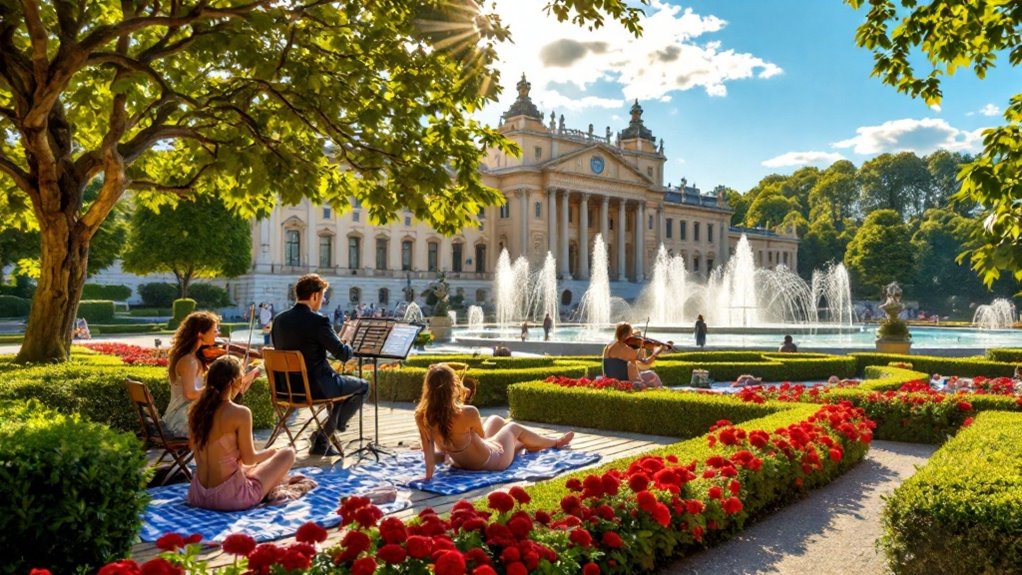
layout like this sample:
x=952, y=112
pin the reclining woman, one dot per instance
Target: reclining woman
x=457, y=430
x=626, y=363
x=231, y=474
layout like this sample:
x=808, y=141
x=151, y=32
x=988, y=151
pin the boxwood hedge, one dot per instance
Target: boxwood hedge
x=961, y=366
x=962, y=511
x=73, y=490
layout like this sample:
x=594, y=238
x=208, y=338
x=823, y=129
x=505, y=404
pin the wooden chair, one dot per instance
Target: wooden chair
x=155, y=434
x=285, y=370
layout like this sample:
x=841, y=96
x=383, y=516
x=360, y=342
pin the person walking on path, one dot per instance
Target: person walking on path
x=700, y=331
x=548, y=324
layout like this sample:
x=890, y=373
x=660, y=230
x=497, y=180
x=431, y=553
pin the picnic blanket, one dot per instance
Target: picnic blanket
x=169, y=512
x=408, y=468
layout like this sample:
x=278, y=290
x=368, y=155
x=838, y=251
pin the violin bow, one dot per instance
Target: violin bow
x=251, y=325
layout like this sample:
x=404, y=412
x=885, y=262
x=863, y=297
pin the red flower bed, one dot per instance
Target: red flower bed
x=131, y=354
x=789, y=392
x=621, y=521
x=601, y=383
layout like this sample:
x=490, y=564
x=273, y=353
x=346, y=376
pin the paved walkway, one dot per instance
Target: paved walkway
x=832, y=531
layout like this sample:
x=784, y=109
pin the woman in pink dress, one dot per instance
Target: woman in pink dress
x=230, y=473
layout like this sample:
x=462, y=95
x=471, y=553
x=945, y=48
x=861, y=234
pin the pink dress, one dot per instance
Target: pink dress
x=236, y=493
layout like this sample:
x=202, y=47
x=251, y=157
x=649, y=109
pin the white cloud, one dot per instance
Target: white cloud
x=988, y=110
x=672, y=54
x=819, y=159
x=920, y=136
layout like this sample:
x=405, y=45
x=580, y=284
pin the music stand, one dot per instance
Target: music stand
x=375, y=339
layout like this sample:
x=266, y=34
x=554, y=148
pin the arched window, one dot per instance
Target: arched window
x=292, y=248
x=381, y=253
x=326, y=251
x=354, y=252
x=406, y=255
x=355, y=295
x=480, y=258
x=384, y=296
x=539, y=210
x=457, y=256
x=566, y=297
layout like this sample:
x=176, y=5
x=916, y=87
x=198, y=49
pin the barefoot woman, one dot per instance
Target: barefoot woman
x=447, y=425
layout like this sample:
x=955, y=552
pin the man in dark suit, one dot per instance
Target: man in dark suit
x=303, y=329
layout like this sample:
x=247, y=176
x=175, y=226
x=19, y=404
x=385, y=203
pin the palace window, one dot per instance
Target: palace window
x=327, y=212
x=457, y=255
x=432, y=256
x=695, y=231
x=682, y=230
x=354, y=252
x=408, y=221
x=480, y=258
x=406, y=255
x=670, y=228
x=381, y=253
x=354, y=216
x=709, y=233
x=383, y=297
x=355, y=295
x=505, y=211
x=292, y=248
x=539, y=152
x=326, y=251
x=651, y=222
x=539, y=210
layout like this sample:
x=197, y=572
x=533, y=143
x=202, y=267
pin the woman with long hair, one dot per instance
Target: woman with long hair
x=186, y=370
x=456, y=429
x=626, y=363
x=230, y=473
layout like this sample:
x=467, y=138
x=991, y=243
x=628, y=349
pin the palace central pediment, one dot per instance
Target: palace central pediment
x=599, y=162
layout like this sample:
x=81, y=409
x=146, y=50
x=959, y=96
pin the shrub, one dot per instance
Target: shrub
x=182, y=307
x=73, y=490
x=1004, y=354
x=209, y=296
x=23, y=288
x=150, y=312
x=963, y=366
x=14, y=306
x=96, y=311
x=960, y=513
x=158, y=294
x=111, y=292
x=112, y=328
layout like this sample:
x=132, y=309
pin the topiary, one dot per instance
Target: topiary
x=73, y=490
x=209, y=296
x=182, y=307
x=158, y=294
x=96, y=311
x=893, y=330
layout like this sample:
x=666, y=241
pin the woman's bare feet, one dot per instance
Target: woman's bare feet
x=565, y=439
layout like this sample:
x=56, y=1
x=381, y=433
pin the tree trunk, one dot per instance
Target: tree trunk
x=63, y=260
x=184, y=279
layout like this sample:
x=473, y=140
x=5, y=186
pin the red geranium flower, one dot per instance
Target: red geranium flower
x=38, y=571
x=450, y=563
x=238, y=544
x=662, y=514
x=364, y=566
x=263, y=557
x=293, y=559
x=732, y=505
x=581, y=537
x=591, y=569
x=484, y=570
x=126, y=567
x=694, y=506
x=520, y=495
x=160, y=566
x=310, y=532
x=418, y=546
x=170, y=542
x=391, y=553
x=392, y=530
x=501, y=502
x=715, y=492
x=193, y=538
x=516, y=568
x=612, y=540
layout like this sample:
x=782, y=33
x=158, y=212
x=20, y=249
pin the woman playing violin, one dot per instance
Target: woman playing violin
x=626, y=358
x=187, y=367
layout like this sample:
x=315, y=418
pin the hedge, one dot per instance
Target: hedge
x=92, y=385
x=676, y=369
x=658, y=412
x=114, y=328
x=73, y=491
x=961, y=366
x=962, y=511
x=96, y=311
x=158, y=294
x=150, y=312
x=111, y=292
x=488, y=362
x=1005, y=354
x=182, y=307
x=14, y=306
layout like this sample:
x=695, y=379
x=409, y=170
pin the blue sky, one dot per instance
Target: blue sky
x=740, y=89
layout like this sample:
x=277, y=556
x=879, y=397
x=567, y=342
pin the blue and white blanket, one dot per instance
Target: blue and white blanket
x=409, y=468
x=169, y=512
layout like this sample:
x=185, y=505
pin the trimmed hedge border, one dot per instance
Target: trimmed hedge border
x=1005, y=354
x=961, y=512
x=961, y=366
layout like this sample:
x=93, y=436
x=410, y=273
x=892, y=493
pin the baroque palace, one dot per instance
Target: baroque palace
x=568, y=186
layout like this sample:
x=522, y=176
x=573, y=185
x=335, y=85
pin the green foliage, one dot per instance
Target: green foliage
x=209, y=296
x=158, y=294
x=928, y=364
x=113, y=328
x=893, y=330
x=110, y=292
x=951, y=36
x=768, y=209
x=880, y=252
x=23, y=287
x=73, y=490
x=899, y=182
x=96, y=310
x=13, y=306
x=199, y=238
x=1005, y=354
x=182, y=307
x=960, y=512
x=151, y=312
x=835, y=195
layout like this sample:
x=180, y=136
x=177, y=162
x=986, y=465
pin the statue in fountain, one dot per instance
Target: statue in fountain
x=892, y=333
x=440, y=322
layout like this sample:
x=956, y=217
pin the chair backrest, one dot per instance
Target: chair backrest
x=150, y=425
x=285, y=369
x=615, y=368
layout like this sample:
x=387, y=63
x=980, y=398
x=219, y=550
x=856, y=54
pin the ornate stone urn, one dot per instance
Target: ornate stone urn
x=892, y=333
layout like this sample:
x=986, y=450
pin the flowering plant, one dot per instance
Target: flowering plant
x=790, y=392
x=598, y=383
x=131, y=354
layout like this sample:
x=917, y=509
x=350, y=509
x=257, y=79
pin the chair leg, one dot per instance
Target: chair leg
x=321, y=425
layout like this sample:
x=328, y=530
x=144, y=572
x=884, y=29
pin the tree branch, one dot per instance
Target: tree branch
x=20, y=177
x=182, y=190
x=37, y=36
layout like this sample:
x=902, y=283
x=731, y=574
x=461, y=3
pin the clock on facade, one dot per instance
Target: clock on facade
x=596, y=164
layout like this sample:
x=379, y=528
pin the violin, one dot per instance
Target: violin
x=207, y=354
x=636, y=341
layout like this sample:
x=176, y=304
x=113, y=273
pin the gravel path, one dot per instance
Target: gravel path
x=832, y=531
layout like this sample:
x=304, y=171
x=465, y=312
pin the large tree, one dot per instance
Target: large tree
x=198, y=238
x=899, y=182
x=950, y=35
x=247, y=100
x=835, y=195
x=880, y=252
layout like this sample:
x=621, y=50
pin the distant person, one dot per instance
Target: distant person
x=265, y=319
x=700, y=331
x=525, y=330
x=745, y=380
x=788, y=346
x=548, y=324
x=81, y=330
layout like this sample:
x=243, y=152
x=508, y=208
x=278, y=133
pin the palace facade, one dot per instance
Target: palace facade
x=567, y=187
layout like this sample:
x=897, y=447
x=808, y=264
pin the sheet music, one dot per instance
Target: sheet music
x=399, y=340
x=383, y=338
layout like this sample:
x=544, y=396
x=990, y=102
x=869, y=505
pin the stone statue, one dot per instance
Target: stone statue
x=590, y=131
x=608, y=134
x=560, y=125
x=892, y=306
x=892, y=332
x=553, y=121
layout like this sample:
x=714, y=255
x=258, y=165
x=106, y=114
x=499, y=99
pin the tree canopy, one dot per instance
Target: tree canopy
x=952, y=35
x=248, y=101
x=879, y=253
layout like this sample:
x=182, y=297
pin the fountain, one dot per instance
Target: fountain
x=512, y=299
x=413, y=313
x=454, y=317
x=831, y=285
x=596, y=302
x=475, y=317
x=999, y=314
x=545, y=292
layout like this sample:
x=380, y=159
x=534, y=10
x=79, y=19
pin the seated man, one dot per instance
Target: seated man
x=303, y=329
x=788, y=346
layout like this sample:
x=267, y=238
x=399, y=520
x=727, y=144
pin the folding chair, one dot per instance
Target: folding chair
x=284, y=369
x=155, y=434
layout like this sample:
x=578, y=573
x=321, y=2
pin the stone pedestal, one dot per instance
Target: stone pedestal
x=441, y=326
x=889, y=346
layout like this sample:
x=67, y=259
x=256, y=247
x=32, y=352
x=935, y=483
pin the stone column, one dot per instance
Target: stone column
x=551, y=220
x=605, y=218
x=659, y=226
x=523, y=199
x=308, y=254
x=621, y=240
x=640, y=233
x=562, y=259
x=583, y=238
x=263, y=257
